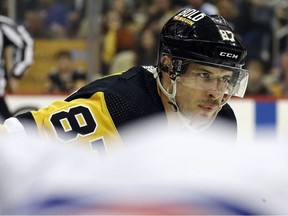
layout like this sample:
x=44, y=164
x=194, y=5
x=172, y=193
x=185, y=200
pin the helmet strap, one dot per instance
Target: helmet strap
x=169, y=93
x=224, y=101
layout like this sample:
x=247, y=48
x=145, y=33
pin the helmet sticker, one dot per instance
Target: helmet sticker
x=189, y=16
x=227, y=35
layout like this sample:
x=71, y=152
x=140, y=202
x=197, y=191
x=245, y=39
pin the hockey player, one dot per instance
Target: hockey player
x=199, y=68
x=16, y=36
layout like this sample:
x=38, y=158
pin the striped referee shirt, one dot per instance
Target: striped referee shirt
x=16, y=36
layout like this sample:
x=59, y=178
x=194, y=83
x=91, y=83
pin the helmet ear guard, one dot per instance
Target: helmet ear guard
x=175, y=69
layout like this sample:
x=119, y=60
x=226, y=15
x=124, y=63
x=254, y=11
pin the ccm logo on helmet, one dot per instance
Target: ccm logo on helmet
x=229, y=55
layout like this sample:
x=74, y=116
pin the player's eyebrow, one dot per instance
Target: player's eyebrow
x=220, y=71
x=204, y=69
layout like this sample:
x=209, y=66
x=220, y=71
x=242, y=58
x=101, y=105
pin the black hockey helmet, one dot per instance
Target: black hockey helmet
x=191, y=35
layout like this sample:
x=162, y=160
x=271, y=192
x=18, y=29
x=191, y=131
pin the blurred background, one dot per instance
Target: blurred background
x=102, y=37
x=109, y=36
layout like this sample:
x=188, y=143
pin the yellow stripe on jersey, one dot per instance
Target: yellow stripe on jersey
x=80, y=121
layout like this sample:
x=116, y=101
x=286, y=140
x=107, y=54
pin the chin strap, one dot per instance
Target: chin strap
x=224, y=101
x=171, y=96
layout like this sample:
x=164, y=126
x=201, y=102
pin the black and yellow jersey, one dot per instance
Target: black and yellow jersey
x=95, y=114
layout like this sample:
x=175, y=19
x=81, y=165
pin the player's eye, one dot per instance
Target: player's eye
x=225, y=79
x=204, y=75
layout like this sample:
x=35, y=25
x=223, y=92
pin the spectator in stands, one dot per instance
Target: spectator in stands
x=256, y=28
x=54, y=15
x=75, y=16
x=280, y=87
x=65, y=77
x=118, y=34
x=229, y=10
x=257, y=84
x=158, y=13
x=124, y=57
x=119, y=6
x=109, y=44
x=146, y=47
x=202, y=5
x=34, y=24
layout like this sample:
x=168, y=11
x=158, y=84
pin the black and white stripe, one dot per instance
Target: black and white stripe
x=15, y=35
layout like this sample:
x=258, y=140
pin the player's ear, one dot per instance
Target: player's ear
x=166, y=64
x=166, y=67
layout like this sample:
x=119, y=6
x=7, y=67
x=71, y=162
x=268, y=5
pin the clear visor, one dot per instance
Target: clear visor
x=218, y=78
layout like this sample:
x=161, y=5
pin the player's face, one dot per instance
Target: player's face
x=201, y=92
